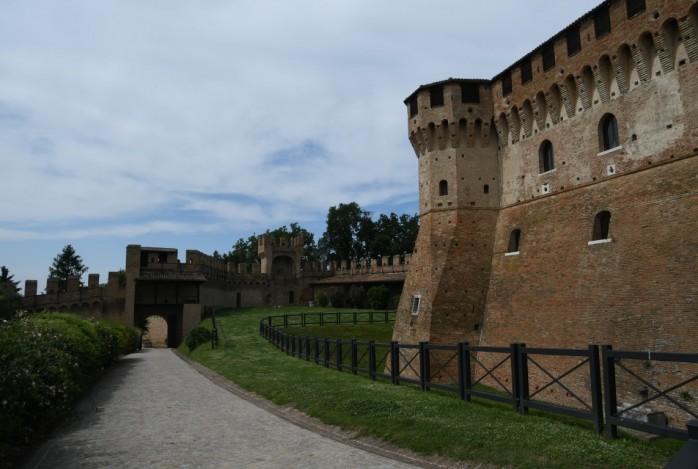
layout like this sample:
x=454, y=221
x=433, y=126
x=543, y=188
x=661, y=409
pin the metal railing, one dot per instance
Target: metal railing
x=562, y=381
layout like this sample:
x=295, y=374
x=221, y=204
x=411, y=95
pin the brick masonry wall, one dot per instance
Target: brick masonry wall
x=636, y=292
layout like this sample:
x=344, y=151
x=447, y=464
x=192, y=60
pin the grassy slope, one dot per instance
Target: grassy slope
x=431, y=423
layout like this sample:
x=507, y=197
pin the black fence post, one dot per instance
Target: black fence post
x=353, y=317
x=609, y=390
x=307, y=348
x=514, y=358
x=524, y=392
x=354, y=357
x=339, y=354
x=385, y=315
x=372, y=359
x=303, y=319
x=424, y=368
x=317, y=350
x=285, y=320
x=327, y=352
x=322, y=319
x=465, y=373
x=595, y=381
x=395, y=362
x=370, y=317
x=337, y=319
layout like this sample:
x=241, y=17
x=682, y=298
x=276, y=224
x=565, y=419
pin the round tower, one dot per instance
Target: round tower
x=451, y=131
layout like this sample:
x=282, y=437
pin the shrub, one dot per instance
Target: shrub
x=128, y=337
x=357, y=294
x=197, y=336
x=379, y=297
x=337, y=297
x=322, y=299
x=47, y=361
x=395, y=301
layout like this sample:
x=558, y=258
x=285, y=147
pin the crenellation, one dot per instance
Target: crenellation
x=93, y=281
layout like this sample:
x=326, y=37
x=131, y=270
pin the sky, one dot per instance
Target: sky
x=192, y=124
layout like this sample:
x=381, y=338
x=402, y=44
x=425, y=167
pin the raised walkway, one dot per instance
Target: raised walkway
x=154, y=409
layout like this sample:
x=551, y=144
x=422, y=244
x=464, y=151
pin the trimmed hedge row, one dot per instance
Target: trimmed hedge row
x=47, y=361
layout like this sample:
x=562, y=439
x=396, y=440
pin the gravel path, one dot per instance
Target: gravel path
x=154, y=409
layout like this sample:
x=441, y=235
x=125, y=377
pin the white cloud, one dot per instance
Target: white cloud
x=117, y=112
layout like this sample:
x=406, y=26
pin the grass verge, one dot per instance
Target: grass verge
x=429, y=423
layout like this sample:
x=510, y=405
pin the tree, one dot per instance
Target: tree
x=67, y=264
x=394, y=235
x=348, y=234
x=8, y=286
x=244, y=251
x=309, y=248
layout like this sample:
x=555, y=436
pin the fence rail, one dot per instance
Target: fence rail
x=517, y=375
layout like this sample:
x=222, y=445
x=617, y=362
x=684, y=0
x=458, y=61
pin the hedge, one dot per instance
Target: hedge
x=47, y=361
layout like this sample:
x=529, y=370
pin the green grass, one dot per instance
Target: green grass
x=431, y=423
x=380, y=332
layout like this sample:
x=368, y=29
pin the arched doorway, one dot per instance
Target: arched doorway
x=156, y=332
x=167, y=326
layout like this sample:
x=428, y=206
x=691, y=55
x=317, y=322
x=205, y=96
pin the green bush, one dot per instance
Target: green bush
x=337, y=297
x=197, y=336
x=128, y=337
x=47, y=361
x=322, y=299
x=395, y=301
x=379, y=297
x=357, y=294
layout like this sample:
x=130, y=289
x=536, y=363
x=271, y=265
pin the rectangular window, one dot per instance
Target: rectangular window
x=416, y=299
x=506, y=83
x=470, y=93
x=574, y=41
x=548, y=54
x=602, y=22
x=414, y=109
x=526, y=72
x=436, y=96
x=634, y=7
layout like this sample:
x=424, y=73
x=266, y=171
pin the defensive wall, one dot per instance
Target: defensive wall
x=155, y=282
x=558, y=200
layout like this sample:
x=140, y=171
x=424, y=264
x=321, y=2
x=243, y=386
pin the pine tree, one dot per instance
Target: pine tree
x=67, y=264
x=8, y=287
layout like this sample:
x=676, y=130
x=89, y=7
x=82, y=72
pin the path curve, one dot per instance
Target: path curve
x=152, y=409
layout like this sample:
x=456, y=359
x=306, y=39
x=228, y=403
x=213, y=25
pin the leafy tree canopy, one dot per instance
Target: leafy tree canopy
x=67, y=264
x=394, y=235
x=351, y=234
x=348, y=233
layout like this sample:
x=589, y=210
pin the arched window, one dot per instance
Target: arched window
x=545, y=157
x=608, y=129
x=514, y=239
x=443, y=187
x=602, y=222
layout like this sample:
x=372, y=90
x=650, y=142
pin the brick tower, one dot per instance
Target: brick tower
x=450, y=128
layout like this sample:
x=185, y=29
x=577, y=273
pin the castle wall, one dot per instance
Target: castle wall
x=594, y=203
x=449, y=273
x=636, y=292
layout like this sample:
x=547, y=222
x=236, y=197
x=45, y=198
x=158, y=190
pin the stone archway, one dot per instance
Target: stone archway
x=157, y=332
